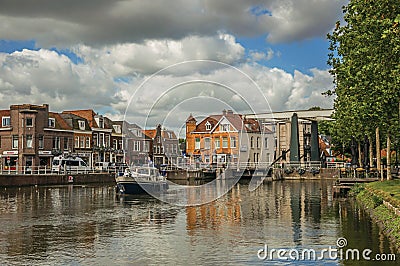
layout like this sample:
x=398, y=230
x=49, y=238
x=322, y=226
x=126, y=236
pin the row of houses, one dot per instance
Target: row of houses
x=256, y=138
x=31, y=136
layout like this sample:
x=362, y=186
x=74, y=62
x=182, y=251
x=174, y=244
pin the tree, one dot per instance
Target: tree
x=364, y=56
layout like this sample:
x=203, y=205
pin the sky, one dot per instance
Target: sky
x=157, y=61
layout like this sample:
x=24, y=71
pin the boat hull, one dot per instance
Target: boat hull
x=142, y=187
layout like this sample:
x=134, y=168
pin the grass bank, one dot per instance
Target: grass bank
x=382, y=201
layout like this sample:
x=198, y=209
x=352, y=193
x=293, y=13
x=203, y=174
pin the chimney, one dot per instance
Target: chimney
x=224, y=112
x=230, y=112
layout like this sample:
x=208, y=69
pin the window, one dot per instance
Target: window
x=115, y=143
x=56, y=143
x=266, y=143
x=224, y=142
x=15, y=141
x=146, y=146
x=217, y=143
x=225, y=127
x=87, y=142
x=95, y=141
x=76, y=142
x=158, y=139
x=82, y=142
x=251, y=142
x=107, y=144
x=41, y=142
x=207, y=143
x=29, y=141
x=6, y=121
x=81, y=124
x=208, y=125
x=233, y=142
x=101, y=140
x=120, y=145
x=29, y=122
x=65, y=143
x=52, y=122
x=117, y=128
x=258, y=142
x=136, y=145
x=101, y=122
x=206, y=158
x=197, y=144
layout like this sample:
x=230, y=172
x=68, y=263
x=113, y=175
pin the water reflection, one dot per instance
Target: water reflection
x=90, y=225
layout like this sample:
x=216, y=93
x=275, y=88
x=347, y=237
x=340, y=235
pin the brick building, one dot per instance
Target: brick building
x=227, y=137
x=30, y=136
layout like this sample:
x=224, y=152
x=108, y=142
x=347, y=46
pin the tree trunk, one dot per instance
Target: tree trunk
x=371, y=152
x=378, y=152
x=388, y=158
x=360, y=161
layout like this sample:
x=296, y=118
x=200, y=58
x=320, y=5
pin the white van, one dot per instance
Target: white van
x=69, y=164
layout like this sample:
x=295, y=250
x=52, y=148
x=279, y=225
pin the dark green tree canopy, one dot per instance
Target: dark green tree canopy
x=365, y=60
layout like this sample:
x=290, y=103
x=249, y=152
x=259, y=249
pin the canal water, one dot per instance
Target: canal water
x=89, y=225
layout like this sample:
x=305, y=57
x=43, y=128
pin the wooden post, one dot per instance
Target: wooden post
x=388, y=158
x=360, y=161
x=378, y=152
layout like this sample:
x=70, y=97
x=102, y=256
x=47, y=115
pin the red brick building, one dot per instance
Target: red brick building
x=30, y=136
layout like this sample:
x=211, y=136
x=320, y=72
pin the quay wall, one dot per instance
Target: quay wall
x=324, y=173
x=385, y=214
x=53, y=179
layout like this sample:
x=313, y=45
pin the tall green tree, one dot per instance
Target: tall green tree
x=364, y=56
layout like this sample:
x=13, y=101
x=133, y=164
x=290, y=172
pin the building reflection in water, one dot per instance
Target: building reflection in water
x=270, y=210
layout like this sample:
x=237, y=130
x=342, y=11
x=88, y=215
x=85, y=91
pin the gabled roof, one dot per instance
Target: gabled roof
x=60, y=122
x=151, y=133
x=239, y=122
x=72, y=121
x=165, y=134
x=88, y=114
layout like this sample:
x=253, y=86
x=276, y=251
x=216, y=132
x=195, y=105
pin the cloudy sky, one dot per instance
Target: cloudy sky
x=166, y=59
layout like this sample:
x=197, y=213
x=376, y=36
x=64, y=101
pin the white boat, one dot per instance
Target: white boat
x=140, y=180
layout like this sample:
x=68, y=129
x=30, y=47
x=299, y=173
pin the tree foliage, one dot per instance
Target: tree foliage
x=364, y=56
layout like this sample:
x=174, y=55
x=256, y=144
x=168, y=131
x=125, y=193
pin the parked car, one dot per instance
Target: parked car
x=101, y=166
x=117, y=167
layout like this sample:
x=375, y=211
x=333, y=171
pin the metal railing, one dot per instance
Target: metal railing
x=47, y=170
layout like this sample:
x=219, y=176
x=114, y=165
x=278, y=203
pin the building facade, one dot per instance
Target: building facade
x=137, y=145
x=82, y=139
x=30, y=136
x=165, y=146
x=227, y=137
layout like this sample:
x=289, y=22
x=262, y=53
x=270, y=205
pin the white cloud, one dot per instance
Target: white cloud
x=153, y=55
x=45, y=76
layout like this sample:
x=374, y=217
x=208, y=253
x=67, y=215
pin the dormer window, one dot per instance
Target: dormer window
x=81, y=124
x=208, y=125
x=225, y=127
x=101, y=122
x=117, y=128
x=52, y=122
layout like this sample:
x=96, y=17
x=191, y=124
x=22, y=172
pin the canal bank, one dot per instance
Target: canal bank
x=54, y=179
x=381, y=200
